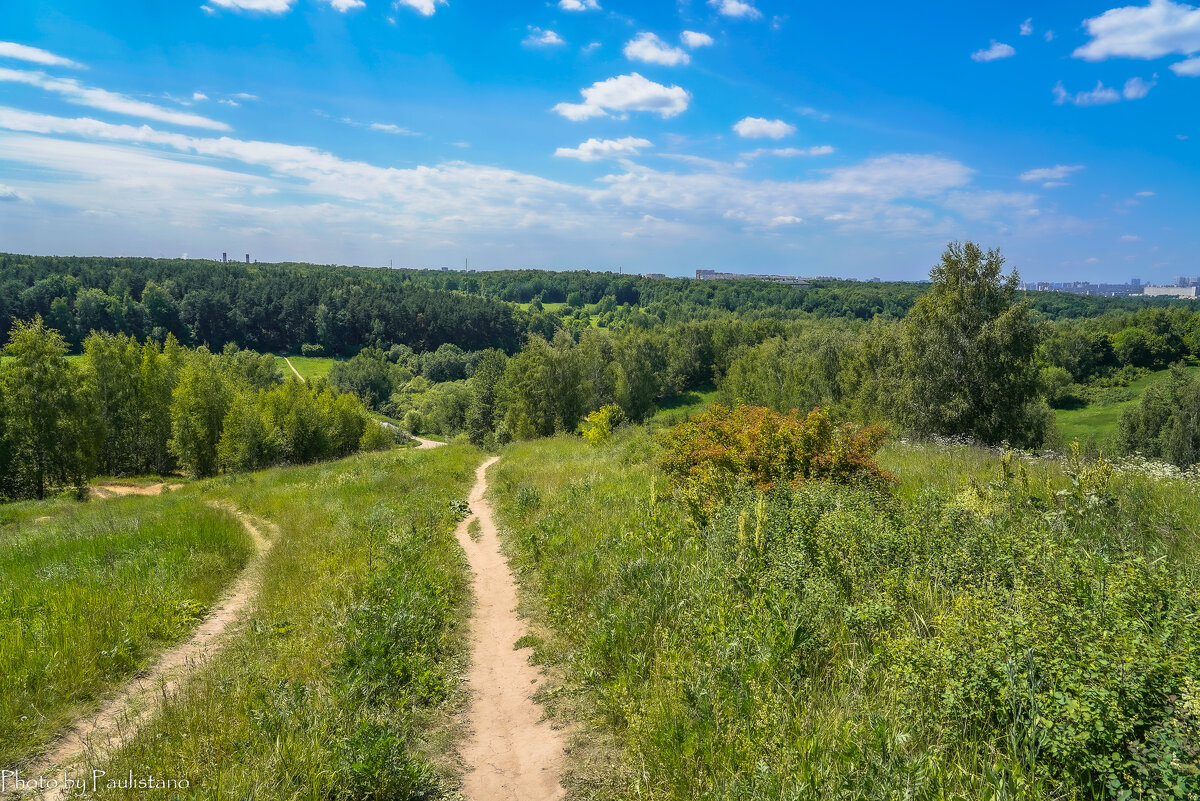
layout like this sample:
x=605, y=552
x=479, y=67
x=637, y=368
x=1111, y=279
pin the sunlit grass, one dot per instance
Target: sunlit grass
x=310, y=367
x=90, y=592
x=339, y=681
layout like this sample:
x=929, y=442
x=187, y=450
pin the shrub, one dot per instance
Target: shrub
x=599, y=425
x=710, y=455
x=312, y=350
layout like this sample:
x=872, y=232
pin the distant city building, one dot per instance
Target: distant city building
x=1171, y=291
x=655, y=276
x=713, y=275
x=224, y=257
x=1135, y=282
x=247, y=258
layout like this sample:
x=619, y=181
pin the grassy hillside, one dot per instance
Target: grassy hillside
x=1098, y=424
x=89, y=594
x=984, y=630
x=337, y=683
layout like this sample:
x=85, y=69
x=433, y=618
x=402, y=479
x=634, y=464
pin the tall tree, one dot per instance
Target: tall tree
x=969, y=349
x=199, y=404
x=52, y=441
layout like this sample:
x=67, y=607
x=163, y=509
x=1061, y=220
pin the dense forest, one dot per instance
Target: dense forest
x=967, y=354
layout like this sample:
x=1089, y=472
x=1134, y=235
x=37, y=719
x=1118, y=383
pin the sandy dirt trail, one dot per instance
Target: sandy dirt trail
x=512, y=753
x=121, y=716
x=294, y=370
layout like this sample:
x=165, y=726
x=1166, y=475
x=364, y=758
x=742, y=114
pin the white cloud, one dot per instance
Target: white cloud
x=626, y=93
x=245, y=96
x=346, y=5
x=597, y=149
x=7, y=193
x=423, y=7
x=1027, y=27
x=694, y=39
x=759, y=128
x=1049, y=37
x=1100, y=96
x=1131, y=238
x=199, y=96
x=735, y=8
x=1145, y=194
x=874, y=194
x=784, y=220
x=387, y=127
x=1051, y=177
x=1188, y=69
x=578, y=5
x=75, y=92
x=649, y=48
x=1136, y=88
x=540, y=38
x=263, y=6
x=789, y=152
x=36, y=55
x=227, y=102
x=1159, y=29
x=997, y=51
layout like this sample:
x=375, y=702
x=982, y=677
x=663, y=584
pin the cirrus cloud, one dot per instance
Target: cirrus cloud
x=36, y=55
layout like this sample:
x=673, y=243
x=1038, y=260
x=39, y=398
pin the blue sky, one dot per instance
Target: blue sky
x=746, y=135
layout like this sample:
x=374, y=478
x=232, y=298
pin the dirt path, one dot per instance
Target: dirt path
x=121, y=716
x=426, y=444
x=119, y=490
x=511, y=751
x=294, y=370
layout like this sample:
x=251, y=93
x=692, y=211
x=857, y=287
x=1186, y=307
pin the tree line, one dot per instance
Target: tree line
x=130, y=408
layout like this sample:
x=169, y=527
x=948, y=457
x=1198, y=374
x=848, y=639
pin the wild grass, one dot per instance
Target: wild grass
x=90, y=594
x=339, y=682
x=1097, y=424
x=988, y=629
x=311, y=367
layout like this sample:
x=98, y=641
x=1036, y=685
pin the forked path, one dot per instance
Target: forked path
x=511, y=752
x=121, y=716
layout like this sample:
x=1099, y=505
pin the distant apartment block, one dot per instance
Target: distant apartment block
x=1171, y=291
x=713, y=275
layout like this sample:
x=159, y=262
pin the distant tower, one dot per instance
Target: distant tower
x=224, y=257
x=1135, y=282
x=247, y=258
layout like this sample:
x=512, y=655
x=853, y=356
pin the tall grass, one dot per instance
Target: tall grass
x=88, y=595
x=339, y=682
x=986, y=630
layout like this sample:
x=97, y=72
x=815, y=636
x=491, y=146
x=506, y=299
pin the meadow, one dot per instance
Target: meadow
x=1098, y=424
x=309, y=367
x=90, y=593
x=988, y=627
x=341, y=680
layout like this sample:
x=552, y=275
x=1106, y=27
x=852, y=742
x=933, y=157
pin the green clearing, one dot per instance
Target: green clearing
x=311, y=367
x=1097, y=425
x=91, y=593
x=967, y=635
x=340, y=682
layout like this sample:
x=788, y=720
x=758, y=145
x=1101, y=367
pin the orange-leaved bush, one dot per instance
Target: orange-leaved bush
x=714, y=452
